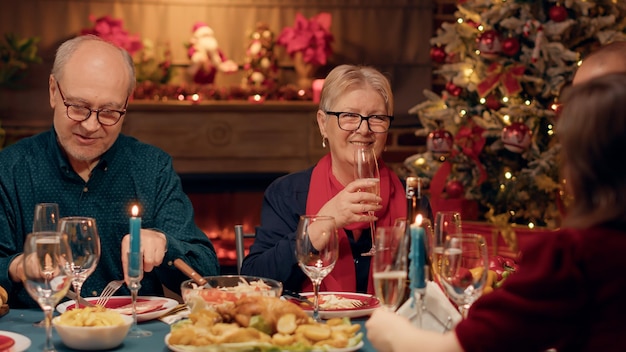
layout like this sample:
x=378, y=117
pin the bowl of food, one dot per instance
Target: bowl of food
x=227, y=289
x=92, y=328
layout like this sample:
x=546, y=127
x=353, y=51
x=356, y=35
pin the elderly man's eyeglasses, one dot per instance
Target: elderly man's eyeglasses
x=351, y=121
x=80, y=113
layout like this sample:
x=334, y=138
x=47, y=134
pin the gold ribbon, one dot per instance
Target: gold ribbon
x=498, y=74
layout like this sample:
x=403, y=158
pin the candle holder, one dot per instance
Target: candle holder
x=135, y=274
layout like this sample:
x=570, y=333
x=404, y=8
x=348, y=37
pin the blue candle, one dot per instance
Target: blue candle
x=135, y=243
x=417, y=255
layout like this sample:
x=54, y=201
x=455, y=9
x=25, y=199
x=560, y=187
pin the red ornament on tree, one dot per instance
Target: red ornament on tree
x=557, y=13
x=516, y=137
x=439, y=142
x=437, y=54
x=490, y=44
x=453, y=89
x=454, y=189
x=510, y=46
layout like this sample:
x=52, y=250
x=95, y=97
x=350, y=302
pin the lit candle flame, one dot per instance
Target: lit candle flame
x=135, y=210
x=418, y=219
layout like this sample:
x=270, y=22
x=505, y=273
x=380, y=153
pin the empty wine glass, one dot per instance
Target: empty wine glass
x=317, y=250
x=46, y=279
x=464, y=266
x=446, y=223
x=366, y=167
x=390, y=265
x=84, y=242
x=46, y=217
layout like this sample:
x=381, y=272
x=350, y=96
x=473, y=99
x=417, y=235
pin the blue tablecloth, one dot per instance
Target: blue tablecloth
x=21, y=321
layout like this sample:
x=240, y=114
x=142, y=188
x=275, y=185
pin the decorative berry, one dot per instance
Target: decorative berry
x=510, y=46
x=558, y=13
x=437, y=54
x=453, y=89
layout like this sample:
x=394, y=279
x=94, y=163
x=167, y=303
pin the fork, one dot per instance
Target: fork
x=108, y=291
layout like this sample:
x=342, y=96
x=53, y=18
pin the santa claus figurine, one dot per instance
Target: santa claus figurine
x=205, y=55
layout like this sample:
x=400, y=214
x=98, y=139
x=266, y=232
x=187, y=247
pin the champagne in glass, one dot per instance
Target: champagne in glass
x=390, y=266
x=446, y=223
x=47, y=279
x=317, y=251
x=366, y=167
x=464, y=266
x=82, y=236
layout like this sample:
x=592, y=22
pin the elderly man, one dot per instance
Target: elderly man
x=85, y=165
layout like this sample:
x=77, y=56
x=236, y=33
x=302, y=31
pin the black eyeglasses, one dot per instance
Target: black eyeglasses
x=351, y=121
x=80, y=113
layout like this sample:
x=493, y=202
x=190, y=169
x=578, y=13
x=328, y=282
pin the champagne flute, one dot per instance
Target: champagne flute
x=46, y=276
x=446, y=223
x=390, y=266
x=135, y=274
x=464, y=266
x=366, y=167
x=46, y=217
x=84, y=242
x=317, y=250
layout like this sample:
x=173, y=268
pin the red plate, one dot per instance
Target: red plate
x=147, y=307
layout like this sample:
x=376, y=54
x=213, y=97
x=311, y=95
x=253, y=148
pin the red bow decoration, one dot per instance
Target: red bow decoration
x=311, y=37
x=497, y=74
x=471, y=141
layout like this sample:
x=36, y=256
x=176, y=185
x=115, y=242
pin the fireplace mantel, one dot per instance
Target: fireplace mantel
x=229, y=136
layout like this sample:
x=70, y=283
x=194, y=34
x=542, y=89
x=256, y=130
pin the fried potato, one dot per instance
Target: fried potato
x=286, y=324
x=315, y=332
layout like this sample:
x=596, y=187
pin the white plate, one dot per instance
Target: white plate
x=243, y=346
x=370, y=303
x=21, y=342
x=121, y=301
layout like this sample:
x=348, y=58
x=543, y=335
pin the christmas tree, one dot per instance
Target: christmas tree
x=490, y=131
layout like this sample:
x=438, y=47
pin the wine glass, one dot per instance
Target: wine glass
x=84, y=242
x=317, y=250
x=464, y=266
x=46, y=276
x=446, y=222
x=366, y=167
x=46, y=217
x=390, y=265
x=135, y=274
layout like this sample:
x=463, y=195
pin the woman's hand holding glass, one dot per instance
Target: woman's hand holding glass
x=317, y=250
x=47, y=276
x=464, y=265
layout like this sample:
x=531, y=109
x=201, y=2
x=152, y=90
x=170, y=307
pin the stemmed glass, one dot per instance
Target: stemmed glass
x=135, y=274
x=464, y=266
x=84, y=242
x=446, y=222
x=366, y=167
x=390, y=265
x=317, y=250
x=46, y=276
x=46, y=217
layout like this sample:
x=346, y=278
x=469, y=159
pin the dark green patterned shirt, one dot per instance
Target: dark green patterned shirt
x=35, y=170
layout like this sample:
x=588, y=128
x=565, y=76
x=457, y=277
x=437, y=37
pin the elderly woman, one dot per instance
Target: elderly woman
x=565, y=294
x=355, y=111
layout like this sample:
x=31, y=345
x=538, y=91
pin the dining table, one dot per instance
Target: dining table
x=21, y=321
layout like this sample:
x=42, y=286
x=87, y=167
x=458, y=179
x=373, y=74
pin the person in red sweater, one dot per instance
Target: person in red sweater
x=568, y=291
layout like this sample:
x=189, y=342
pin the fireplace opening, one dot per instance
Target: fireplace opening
x=223, y=200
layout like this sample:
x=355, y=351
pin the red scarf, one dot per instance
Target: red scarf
x=325, y=186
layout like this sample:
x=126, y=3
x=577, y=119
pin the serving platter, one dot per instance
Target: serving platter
x=247, y=346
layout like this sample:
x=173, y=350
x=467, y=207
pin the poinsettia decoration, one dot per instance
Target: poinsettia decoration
x=112, y=30
x=311, y=37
